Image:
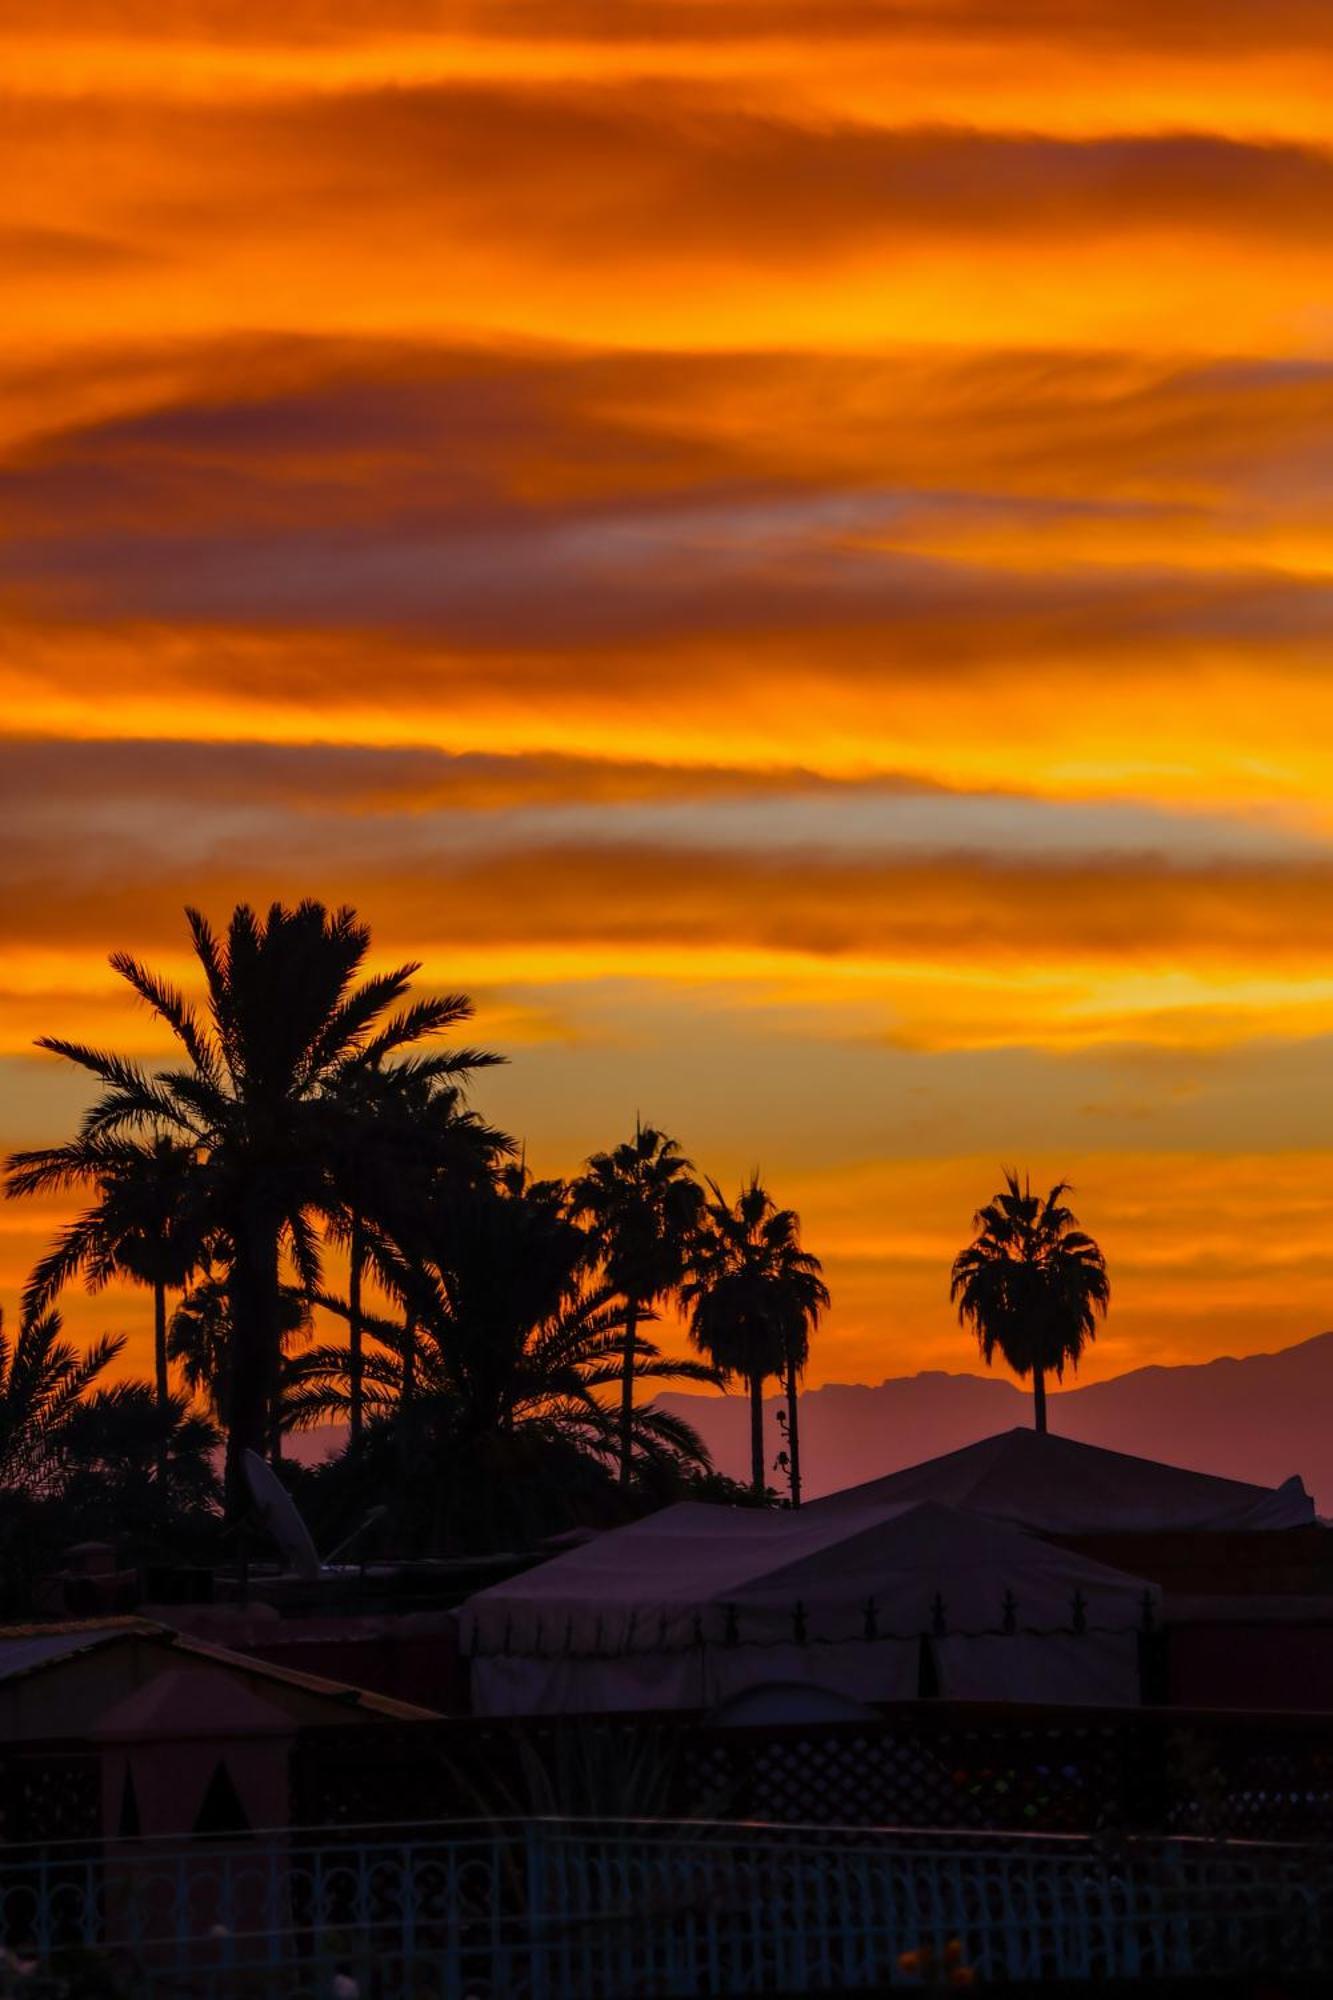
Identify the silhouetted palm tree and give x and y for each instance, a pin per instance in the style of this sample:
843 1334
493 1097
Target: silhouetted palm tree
400 1130
509 1345
43 1379
285 1015
111 1440
642 1202
146 1224
754 1297
1031 1284
807 1296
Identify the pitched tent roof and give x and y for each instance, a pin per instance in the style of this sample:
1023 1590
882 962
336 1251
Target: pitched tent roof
698 1602
1062 1487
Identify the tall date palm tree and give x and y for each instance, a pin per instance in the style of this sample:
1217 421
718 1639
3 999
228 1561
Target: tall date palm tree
642 1202
286 1013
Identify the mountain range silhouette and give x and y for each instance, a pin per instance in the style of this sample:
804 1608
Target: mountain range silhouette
1260 1417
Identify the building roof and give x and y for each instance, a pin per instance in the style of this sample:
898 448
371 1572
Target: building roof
1062 1487
27 1649
33 1649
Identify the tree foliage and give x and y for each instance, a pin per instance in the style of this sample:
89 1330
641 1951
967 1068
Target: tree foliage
642 1202
43 1380
259 1096
1031 1284
505 1346
753 1295
500 1358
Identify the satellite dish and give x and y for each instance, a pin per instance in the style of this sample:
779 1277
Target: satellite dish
278 1511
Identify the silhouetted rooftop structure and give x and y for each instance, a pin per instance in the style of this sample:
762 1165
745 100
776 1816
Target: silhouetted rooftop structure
1057 1486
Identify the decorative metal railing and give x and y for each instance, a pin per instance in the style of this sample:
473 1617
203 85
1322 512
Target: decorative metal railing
994 1768
560 1910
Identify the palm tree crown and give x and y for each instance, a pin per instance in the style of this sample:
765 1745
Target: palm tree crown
754 1296
642 1202
1031 1284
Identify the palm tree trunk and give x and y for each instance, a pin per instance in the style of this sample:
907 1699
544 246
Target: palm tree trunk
757 1467
160 1369
1039 1398
793 1433
409 1360
627 1395
255 1303
355 1333
408 1415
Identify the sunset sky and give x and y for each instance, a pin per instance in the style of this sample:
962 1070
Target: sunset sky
784 545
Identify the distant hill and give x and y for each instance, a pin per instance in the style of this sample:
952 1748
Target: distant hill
1259 1418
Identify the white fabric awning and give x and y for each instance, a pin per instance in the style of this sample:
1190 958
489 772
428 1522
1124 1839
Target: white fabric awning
699 1602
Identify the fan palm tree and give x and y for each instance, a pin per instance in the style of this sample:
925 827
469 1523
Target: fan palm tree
146 1223
510 1344
754 1297
1031 1284
43 1380
642 1203
286 1013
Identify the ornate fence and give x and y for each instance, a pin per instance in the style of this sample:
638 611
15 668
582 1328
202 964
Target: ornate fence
551 1910
981 1767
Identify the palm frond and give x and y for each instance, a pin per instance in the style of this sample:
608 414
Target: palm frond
170 1006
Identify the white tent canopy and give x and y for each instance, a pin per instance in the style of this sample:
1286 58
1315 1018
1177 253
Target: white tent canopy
1058 1486
697 1603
